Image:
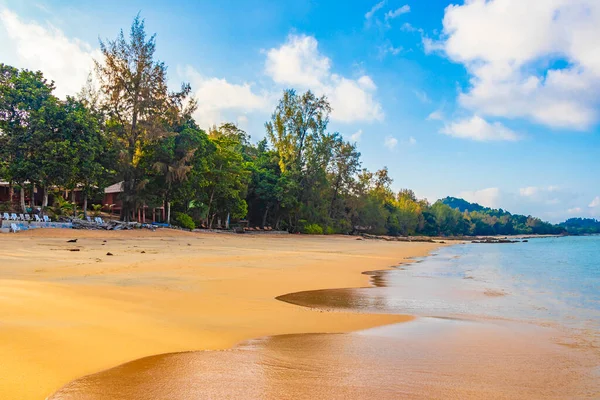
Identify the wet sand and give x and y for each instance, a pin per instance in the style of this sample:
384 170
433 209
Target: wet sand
426 359
66 314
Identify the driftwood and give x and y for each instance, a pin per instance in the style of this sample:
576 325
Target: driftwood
399 238
109 225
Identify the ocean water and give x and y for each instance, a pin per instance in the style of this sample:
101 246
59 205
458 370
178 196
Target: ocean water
551 281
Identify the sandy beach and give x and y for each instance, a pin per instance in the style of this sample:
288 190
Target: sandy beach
65 314
85 325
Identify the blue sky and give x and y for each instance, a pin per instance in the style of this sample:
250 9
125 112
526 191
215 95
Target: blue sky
495 101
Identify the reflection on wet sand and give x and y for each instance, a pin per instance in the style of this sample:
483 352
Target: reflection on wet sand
429 358
462 353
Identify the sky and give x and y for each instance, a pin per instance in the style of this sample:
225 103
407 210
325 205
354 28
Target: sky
494 101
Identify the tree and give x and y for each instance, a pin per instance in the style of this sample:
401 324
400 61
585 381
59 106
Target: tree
227 178
23 97
171 158
137 103
297 123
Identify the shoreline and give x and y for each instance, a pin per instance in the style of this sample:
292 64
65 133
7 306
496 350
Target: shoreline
527 357
336 261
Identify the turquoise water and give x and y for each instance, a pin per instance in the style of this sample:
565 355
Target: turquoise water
554 279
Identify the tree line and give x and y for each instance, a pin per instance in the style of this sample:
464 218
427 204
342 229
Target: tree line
130 127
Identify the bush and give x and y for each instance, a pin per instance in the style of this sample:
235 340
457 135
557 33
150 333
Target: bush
184 221
313 229
330 231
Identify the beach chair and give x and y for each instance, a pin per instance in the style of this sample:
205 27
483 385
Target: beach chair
47 219
37 218
5 216
22 217
88 218
14 217
27 217
14 228
99 220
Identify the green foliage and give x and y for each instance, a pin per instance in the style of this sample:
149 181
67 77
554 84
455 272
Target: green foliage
96 210
184 221
61 207
134 130
313 229
581 226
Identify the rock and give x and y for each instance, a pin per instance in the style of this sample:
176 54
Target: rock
72 241
143 252
109 254
74 249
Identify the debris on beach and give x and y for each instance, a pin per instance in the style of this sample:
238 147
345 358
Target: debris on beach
72 241
494 241
109 254
110 225
399 238
74 249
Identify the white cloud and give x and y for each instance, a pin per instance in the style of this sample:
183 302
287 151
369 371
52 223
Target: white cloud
389 49
66 61
374 9
476 128
575 210
356 136
299 63
509 47
412 141
437 115
529 191
422 96
219 100
390 142
486 197
397 12
595 203
533 191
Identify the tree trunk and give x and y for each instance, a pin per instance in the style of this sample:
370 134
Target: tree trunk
264 220
85 204
208 217
74 204
23 206
45 199
168 213
11 195
32 198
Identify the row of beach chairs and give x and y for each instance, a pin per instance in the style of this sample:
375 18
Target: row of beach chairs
97 220
25 217
36 218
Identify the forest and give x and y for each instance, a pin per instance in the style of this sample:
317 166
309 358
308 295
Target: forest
125 125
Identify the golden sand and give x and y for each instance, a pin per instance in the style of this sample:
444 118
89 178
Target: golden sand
427 359
65 314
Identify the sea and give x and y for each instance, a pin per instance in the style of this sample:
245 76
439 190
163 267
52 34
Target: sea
549 281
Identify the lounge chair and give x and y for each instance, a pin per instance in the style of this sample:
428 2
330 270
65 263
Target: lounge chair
5 216
14 228
37 218
99 220
14 217
47 219
88 218
27 217
22 217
